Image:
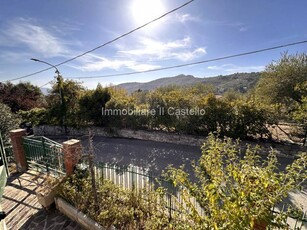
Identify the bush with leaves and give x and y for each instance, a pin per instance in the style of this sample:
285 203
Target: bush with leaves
236 189
37 116
249 119
8 121
124 209
22 96
91 103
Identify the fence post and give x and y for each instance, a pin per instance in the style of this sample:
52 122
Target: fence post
72 150
18 150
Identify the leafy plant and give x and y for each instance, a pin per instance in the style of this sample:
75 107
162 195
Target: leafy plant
8 121
36 116
124 209
235 188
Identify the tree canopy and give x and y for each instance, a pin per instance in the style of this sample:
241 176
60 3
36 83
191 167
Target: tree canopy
281 80
22 96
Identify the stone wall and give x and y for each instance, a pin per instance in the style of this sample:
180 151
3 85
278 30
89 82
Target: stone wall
282 149
158 136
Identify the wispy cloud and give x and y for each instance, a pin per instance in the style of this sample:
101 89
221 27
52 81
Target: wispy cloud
157 50
243 28
12 56
91 63
146 55
185 18
26 35
231 68
240 26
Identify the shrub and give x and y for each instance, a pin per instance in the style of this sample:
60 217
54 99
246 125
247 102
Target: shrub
236 189
124 209
37 116
8 121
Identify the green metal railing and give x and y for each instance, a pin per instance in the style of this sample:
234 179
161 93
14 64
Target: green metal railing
44 154
133 177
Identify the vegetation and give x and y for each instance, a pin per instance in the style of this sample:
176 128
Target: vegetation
279 96
36 116
8 121
91 103
22 96
124 209
284 83
235 188
241 82
63 102
237 117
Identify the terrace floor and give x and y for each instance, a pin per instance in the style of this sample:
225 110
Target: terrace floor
23 210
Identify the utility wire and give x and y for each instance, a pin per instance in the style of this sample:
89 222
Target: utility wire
196 63
107 43
188 64
45 84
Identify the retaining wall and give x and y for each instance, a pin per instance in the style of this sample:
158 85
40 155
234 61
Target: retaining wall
283 149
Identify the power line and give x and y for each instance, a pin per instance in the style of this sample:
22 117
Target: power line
188 64
107 43
196 63
45 84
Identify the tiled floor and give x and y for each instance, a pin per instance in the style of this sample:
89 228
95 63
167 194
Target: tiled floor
24 212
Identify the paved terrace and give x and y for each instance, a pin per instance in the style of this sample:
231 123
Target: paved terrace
22 209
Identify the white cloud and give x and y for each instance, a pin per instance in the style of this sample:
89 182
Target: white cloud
243 29
144 56
92 62
11 56
185 17
157 50
231 68
142 67
23 33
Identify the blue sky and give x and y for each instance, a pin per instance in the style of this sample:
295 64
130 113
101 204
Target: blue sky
57 30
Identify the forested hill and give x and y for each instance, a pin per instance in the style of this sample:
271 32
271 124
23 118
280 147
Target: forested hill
241 82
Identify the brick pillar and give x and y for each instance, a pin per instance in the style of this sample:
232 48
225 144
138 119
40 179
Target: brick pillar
18 150
72 154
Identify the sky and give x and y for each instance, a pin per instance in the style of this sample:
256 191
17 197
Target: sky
57 30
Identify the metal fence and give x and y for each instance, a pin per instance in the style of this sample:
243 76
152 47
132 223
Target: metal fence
44 154
47 155
4 151
9 153
133 177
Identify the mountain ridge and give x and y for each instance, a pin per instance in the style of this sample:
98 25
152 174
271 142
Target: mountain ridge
241 82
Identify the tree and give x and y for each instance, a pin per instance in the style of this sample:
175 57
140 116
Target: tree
284 84
279 81
120 101
23 96
91 104
300 113
202 89
235 188
63 110
249 119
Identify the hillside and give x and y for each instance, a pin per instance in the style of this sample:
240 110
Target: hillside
241 82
